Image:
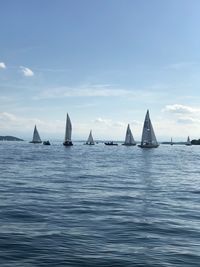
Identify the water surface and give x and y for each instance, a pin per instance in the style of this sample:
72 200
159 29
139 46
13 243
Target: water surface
99 205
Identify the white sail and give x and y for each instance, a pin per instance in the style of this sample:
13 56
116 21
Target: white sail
188 143
36 136
90 140
129 140
148 135
68 129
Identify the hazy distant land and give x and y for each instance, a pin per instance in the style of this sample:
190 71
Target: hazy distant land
10 138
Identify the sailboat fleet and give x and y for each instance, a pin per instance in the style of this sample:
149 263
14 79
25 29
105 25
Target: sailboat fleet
148 139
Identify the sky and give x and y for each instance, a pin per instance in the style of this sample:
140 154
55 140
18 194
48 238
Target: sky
105 62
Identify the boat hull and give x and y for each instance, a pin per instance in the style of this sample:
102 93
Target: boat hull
128 144
110 144
68 143
90 144
35 142
148 146
46 143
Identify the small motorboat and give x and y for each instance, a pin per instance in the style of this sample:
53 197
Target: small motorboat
46 143
111 143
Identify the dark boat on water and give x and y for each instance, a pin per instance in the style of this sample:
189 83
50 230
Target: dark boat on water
110 143
46 143
67 143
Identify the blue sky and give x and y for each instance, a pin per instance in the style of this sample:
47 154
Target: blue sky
103 62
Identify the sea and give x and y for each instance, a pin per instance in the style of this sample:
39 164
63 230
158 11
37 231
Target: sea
99 205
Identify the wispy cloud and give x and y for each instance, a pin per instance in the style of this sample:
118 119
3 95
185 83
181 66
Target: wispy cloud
118 124
181 65
52 70
183 114
26 71
2 65
85 91
188 120
103 121
181 109
10 123
10 119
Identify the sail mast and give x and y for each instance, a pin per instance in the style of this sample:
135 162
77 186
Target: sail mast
68 132
68 129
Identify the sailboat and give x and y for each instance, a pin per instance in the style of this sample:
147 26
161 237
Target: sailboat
90 140
36 137
171 142
68 132
188 143
148 135
129 140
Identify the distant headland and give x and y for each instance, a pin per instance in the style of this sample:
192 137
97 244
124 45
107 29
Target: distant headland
10 138
195 142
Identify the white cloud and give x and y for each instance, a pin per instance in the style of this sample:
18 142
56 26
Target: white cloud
181 65
102 91
103 121
2 65
26 71
188 120
90 91
181 109
10 123
9 119
185 116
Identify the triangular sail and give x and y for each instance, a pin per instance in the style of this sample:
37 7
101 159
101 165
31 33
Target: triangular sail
188 143
68 129
36 136
90 139
148 135
129 140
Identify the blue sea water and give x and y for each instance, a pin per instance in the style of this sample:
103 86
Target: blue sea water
99 205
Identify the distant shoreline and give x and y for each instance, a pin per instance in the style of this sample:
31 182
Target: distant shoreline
10 138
